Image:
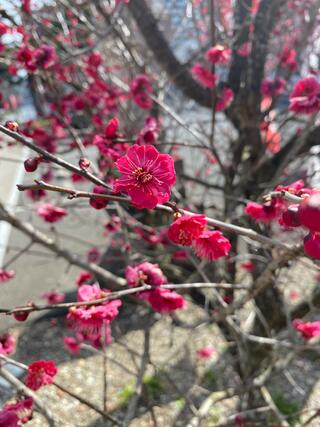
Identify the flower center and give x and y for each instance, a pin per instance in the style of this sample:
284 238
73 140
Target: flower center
142 176
184 237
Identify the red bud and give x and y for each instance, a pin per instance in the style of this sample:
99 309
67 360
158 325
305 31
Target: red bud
31 164
12 126
84 163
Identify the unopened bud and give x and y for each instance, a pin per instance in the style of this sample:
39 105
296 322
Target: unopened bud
84 163
21 316
12 126
31 164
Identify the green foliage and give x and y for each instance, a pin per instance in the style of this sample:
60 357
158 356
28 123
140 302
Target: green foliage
209 379
152 385
126 393
180 403
288 408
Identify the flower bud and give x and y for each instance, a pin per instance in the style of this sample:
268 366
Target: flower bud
21 316
98 202
84 163
31 164
12 126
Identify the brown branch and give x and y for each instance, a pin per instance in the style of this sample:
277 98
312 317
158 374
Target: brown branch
53 158
25 390
164 55
20 387
119 294
114 282
139 381
169 207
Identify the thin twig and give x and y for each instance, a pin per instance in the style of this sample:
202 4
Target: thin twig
115 295
53 158
139 382
21 388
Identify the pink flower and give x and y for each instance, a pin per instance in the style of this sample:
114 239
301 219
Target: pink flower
6 275
40 373
109 150
7 344
273 87
13 414
307 329
147 176
24 55
90 319
150 132
9 418
71 344
271 138
94 255
293 295
3 29
289 217
245 49
151 236
305 97
53 297
224 99
51 213
204 76
211 245
312 245
248 266
205 352
95 59
26 6
264 213
84 277
96 339
141 90
145 273
113 225
186 228
45 56
309 212
179 256
112 128
164 300
89 293
218 54
287 58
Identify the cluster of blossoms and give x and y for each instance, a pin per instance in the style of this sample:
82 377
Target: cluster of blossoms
304 214
216 55
161 300
190 230
141 90
16 414
42 57
40 373
92 322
